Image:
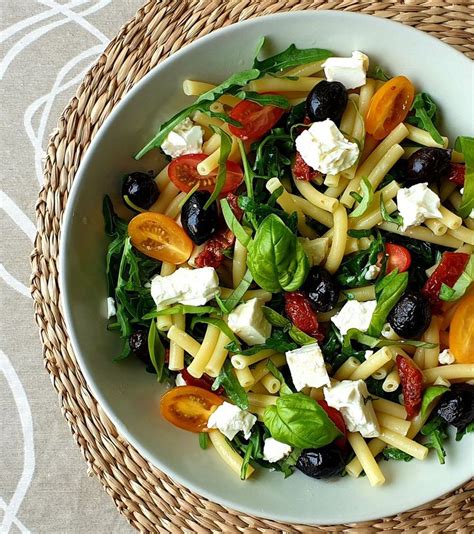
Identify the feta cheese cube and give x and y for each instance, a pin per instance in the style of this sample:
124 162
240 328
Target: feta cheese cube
446 357
325 149
416 204
307 367
230 419
351 398
350 71
111 310
249 323
185 138
193 287
274 451
354 314
179 380
372 272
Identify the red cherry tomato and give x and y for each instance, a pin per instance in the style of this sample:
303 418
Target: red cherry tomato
398 258
456 173
302 315
184 174
338 420
450 268
256 120
411 379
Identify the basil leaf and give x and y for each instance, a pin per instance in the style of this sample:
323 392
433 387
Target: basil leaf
299 421
236 296
278 101
181 308
203 440
278 341
276 258
391 453
366 198
218 323
300 337
388 296
429 395
466 146
275 318
291 57
234 391
224 151
284 389
156 350
379 74
370 341
233 224
462 284
395 219
424 115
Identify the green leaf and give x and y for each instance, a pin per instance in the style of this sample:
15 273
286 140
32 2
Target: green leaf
234 391
291 57
248 173
391 453
236 296
287 465
252 451
379 74
276 258
425 114
279 341
156 350
300 337
467 430
465 145
275 318
373 342
181 309
430 394
223 117
203 440
233 224
284 389
462 284
269 99
395 219
366 198
435 440
218 323
359 234
299 421
224 151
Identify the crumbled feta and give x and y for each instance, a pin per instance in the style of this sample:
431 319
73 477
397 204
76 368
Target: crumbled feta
350 71
185 138
354 314
230 419
249 323
416 204
372 272
368 354
111 309
307 367
389 333
352 399
193 287
446 357
274 451
179 380
325 149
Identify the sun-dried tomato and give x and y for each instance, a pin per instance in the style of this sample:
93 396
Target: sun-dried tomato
302 171
234 205
301 314
213 253
411 379
456 173
205 382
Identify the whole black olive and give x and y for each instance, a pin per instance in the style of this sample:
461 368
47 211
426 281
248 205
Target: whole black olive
411 315
325 462
138 343
327 100
322 289
199 224
140 189
428 165
457 405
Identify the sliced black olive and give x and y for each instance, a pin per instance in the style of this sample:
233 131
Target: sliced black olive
139 190
326 100
411 315
457 406
198 223
428 165
325 462
138 343
322 289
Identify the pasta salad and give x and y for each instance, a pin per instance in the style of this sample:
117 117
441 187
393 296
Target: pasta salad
301 271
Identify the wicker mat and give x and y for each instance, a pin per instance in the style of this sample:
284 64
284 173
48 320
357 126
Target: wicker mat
148 498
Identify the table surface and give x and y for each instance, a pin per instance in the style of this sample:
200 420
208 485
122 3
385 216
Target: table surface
45 48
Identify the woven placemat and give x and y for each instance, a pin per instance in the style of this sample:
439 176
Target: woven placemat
148 498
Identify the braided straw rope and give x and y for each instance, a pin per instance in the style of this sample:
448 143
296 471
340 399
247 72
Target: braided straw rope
148 498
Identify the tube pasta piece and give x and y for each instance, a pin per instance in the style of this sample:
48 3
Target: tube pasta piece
382 373
332 180
354 467
212 144
245 377
317 198
164 322
239 263
162 179
228 454
336 252
464 234
400 426
258 399
216 361
317 393
418 422
366 93
373 217
446 190
422 137
390 408
335 192
403 443
204 120
274 84
194 88
432 336
380 170
174 209
455 371
362 294
424 234
176 361
347 368
184 340
437 226
261 369
258 388
196 367
271 384
366 459
325 317
348 117
166 196
305 70
316 213
257 410
392 381
374 362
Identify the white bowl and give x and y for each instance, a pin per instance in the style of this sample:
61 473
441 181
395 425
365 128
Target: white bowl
128 394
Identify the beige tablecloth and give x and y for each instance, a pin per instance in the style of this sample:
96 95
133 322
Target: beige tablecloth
45 48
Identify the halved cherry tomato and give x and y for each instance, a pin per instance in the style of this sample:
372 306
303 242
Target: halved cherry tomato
184 174
338 420
398 258
389 107
461 331
255 119
189 407
159 237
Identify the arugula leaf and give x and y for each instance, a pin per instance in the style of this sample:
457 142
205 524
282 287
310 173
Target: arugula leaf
224 117
269 99
379 74
461 433
259 211
224 151
436 435
366 198
233 224
359 234
291 57
274 154
430 394
231 85
278 341
424 115
299 421
253 451
287 465
156 350
218 323
234 391
248 173
395 219
181 308
203 440
284 388
465 145
392 453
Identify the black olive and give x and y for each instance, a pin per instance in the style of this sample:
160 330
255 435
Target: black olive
140 189
199 224
428 165
411 315
457 406
327 100
325 462
138 343
322 289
